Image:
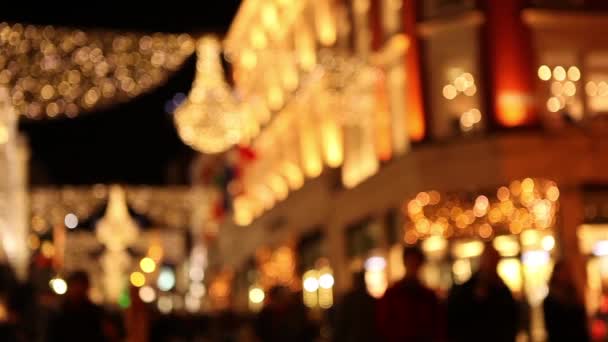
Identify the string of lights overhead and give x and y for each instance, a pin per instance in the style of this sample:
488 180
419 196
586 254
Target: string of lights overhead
58 70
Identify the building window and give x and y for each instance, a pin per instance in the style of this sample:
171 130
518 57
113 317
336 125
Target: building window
437 8
453 81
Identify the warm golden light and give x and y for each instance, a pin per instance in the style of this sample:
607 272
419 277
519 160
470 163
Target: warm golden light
574 74
559 73
332 142
553 104
209 120
450 92
59 70
544 73
147 265
137 279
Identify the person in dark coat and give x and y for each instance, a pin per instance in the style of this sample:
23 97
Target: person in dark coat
79 319
283 318
483 308
565 316
409 311
356 314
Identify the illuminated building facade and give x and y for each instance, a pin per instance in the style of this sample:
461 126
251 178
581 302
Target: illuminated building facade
491 95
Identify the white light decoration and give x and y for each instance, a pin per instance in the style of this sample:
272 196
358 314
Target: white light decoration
209 120
71 221
548 243
193 303
326 281
375 263
311 284
601 248
256 298
13 180
59 286
166 279
147 294
197 290
116 230
165 304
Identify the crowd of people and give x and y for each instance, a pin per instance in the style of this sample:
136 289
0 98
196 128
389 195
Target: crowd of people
481 309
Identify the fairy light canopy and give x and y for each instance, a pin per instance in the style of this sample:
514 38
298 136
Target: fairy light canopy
528 204
58 70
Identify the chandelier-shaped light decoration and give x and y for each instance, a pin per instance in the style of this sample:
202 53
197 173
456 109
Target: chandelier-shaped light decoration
56 70
116 230
209 120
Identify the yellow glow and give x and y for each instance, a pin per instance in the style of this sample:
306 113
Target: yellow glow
278 185
137 279
591 88
33 241
544 73
376 282
548 242
258 38
574 74
553 193
156 252
506 245
333 149
469 249
510 272
256 295
59 286
243 215
275 98
326 27
503 194
450 92
147 265
434 244
462 270
270 17
513 108
530 237
48 249
310 153
292 174
3 134
485 231
559 73
557 88
248 59
310 284
569 88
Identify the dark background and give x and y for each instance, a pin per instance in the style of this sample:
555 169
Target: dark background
131 143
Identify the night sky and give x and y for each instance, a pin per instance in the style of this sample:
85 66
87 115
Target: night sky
131 143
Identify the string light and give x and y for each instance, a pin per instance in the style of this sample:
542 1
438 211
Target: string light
147 294
58 285
53 70
147 265
529 203
71 221
137 279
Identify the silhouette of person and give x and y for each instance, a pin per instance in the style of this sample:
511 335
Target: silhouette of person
565 316
356 314
78 319
282 318
483 308
409 311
